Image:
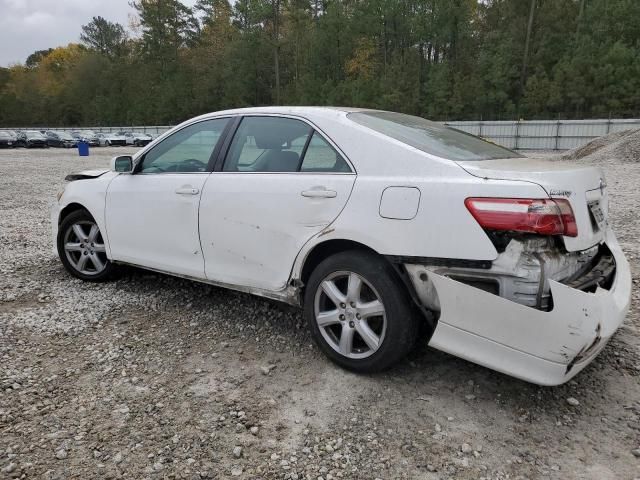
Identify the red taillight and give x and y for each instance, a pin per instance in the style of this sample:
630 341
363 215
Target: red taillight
541 216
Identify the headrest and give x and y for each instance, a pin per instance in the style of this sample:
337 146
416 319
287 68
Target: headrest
268 140
274 134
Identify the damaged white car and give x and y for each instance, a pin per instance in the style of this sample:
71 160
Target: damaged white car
377 224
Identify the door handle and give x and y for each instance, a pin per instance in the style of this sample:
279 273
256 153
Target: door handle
187 191
319 192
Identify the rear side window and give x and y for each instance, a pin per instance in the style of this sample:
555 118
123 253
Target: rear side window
277 144
431 137
267 144
322 157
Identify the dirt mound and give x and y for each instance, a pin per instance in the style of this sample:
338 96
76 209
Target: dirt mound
623 145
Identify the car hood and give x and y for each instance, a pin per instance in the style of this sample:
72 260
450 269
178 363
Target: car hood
581 185
85 174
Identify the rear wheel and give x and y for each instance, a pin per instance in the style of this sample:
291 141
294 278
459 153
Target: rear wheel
81 248
359 313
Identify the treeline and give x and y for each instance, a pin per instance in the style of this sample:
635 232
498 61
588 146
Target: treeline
443 59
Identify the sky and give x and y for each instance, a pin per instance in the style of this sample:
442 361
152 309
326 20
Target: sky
30 25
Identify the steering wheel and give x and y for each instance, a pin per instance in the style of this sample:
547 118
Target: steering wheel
191 165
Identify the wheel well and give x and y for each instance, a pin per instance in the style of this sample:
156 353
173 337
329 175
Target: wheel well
72 207
324 250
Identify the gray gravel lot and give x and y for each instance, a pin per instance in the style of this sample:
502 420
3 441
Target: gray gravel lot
156 377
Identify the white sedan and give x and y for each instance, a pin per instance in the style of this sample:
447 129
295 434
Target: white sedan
379 225
110 139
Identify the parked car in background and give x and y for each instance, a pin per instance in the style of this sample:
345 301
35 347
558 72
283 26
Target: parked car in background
136 138
32 139
112 140
86 136
90 137
60 139
379 225
7 140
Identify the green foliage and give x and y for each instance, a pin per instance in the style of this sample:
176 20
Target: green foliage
445 59
36 57
104 37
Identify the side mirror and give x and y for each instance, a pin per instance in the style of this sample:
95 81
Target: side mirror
122 164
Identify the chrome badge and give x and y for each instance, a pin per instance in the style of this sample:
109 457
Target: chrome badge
560 193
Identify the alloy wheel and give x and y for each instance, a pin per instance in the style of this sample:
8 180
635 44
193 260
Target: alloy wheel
84 248
350 314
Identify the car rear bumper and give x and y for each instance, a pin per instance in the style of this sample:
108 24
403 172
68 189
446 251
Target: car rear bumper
542 347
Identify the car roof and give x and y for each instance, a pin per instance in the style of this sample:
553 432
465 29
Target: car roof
288 110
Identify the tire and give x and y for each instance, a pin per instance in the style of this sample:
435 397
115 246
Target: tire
396 329
83 258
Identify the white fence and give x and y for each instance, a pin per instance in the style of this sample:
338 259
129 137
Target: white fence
544 134
517 135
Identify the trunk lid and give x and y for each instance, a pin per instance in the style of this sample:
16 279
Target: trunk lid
584 186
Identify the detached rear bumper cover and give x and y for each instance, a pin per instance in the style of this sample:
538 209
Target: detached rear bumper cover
546 348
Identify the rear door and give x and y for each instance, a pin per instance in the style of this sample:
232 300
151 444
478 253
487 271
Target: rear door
152 214
282 182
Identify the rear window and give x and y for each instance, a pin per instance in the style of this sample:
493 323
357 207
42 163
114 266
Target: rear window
431 137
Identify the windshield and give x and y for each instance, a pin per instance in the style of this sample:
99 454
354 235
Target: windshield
64 136
34 134
88 133
431 137
4 135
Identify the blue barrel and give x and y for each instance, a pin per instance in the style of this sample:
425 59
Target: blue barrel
83 149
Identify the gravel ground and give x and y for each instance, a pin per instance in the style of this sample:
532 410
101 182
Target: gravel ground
156 377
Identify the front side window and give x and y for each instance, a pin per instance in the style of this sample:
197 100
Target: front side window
186 151
431 137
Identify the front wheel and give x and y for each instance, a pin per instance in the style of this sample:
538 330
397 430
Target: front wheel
359 312
81 248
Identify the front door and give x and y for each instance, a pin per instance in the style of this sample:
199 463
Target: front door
281 184
152 214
